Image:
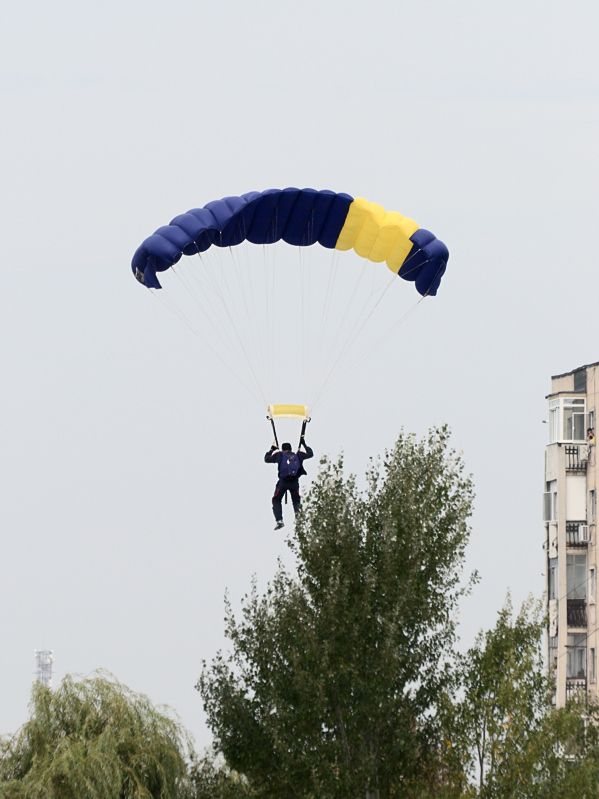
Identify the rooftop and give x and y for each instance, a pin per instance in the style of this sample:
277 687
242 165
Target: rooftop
578 369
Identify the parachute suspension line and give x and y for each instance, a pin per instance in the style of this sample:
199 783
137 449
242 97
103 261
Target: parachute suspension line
333 265
249 301
392 329
207 308
177 312
397 323
366 313
271 259
229 301
234 326
271 254
197 297
266 322
308 333
261 312
229 346
333 340
240 281
302 324
335 351
363 320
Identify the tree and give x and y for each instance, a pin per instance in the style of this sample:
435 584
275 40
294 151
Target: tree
509 739
211 780
332 685
94 738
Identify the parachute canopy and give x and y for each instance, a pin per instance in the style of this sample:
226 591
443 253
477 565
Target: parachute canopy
301 217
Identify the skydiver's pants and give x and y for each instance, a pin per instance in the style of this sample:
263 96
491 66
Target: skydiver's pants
281 488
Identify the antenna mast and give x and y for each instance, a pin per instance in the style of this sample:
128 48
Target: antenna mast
44 658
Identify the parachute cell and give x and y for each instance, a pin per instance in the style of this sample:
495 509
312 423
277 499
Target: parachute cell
301 217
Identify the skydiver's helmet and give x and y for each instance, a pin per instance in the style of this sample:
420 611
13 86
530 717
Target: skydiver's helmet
286 447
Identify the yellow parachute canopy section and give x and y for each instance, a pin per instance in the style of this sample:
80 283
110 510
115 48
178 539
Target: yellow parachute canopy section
286 411
377 234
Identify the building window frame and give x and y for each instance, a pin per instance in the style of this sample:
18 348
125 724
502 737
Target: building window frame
554 419
576 568
552 576
568 420
576 656
573 411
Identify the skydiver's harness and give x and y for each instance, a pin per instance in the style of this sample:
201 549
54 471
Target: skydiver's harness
288 412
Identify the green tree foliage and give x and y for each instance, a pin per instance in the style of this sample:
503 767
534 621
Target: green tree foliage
505 697
210 780
504 732
335 675
94 739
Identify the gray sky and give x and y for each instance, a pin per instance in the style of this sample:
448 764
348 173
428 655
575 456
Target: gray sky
122 517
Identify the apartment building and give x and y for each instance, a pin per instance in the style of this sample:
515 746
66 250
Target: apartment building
570 516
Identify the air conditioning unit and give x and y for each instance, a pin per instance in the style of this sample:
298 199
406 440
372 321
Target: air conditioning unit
584 533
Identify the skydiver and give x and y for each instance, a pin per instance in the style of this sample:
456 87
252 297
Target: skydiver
291 468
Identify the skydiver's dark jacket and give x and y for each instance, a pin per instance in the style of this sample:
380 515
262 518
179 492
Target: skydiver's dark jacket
275 455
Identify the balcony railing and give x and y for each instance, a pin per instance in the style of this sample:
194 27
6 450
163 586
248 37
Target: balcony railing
577 613
576 458
576 688
575 534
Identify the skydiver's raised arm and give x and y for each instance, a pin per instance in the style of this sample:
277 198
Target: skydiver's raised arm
309 452
273 454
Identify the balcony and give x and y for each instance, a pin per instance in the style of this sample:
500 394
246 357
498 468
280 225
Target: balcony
577 613
576 457
577 534
576 688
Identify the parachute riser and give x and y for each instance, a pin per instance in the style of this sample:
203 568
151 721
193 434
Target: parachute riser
303 432
305 421
274 431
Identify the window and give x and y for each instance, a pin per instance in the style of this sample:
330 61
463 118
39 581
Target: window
592 505
576 656
576 576
580 380
552 579
567 419
592 584
553 421
591 419
573 411
593 665
550 501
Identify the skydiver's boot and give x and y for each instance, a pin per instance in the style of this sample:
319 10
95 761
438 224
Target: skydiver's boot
279 524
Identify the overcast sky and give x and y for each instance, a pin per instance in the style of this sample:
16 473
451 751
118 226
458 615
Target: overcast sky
133 491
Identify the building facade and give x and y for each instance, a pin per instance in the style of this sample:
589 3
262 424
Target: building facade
570 516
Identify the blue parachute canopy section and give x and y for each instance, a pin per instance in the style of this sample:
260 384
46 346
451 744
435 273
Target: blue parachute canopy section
300 217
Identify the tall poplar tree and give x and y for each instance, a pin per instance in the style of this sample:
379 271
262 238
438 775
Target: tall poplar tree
334 676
